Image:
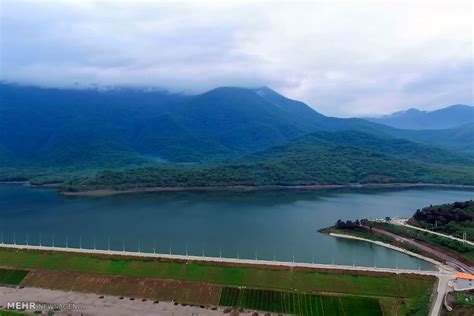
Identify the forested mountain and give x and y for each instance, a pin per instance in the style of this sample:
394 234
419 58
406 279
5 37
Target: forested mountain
460 139
320 158
454 219
94 129
34 120
448 117
38 123
383 144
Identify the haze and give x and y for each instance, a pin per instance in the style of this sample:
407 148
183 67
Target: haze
344 59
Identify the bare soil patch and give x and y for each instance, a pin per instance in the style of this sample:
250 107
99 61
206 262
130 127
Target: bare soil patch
185 292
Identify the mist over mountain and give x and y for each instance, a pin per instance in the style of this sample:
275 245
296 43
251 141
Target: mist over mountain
448 117
93 129
40 122
460 139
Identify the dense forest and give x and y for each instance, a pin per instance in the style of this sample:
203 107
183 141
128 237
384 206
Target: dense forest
453 219
311 164
126 138
351 225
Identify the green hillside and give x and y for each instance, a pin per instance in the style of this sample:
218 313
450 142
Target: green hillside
391 146
453 219
457 140
36 123
220 123
460 139
247 136
307 161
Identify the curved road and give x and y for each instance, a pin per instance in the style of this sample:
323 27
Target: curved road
448 259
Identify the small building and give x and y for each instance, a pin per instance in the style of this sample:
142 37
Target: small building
464 281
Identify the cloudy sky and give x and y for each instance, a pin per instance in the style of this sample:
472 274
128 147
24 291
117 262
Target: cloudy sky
343 58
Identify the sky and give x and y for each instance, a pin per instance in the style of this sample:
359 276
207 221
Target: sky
343 58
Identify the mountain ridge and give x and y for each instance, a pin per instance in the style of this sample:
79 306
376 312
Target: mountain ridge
448 117
43 128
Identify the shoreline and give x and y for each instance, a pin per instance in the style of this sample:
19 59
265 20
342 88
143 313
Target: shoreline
248 188
436 263
29 184
14 182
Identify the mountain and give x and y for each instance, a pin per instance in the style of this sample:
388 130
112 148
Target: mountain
316 159
241 119
74 130
36 123
33 119
387 145
355 157
459 139
445 118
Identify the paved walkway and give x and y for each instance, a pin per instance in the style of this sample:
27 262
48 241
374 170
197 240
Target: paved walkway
441 291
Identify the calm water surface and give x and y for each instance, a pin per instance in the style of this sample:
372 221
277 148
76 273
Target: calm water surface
280 224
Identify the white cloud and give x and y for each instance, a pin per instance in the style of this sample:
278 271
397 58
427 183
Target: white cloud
342 58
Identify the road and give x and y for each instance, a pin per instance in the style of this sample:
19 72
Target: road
403 223
227 260
441 291
448 259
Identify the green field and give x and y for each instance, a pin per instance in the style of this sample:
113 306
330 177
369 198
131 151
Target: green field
299 303
12 277
300 287
282 279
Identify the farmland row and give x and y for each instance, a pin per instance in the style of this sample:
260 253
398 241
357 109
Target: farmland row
12 277
299 303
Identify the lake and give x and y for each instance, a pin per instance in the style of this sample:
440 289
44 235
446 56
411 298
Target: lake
264 224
